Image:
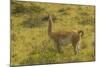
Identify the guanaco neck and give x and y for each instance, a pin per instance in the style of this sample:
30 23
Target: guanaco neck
50 25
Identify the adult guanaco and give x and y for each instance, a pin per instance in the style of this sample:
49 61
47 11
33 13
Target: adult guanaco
64 37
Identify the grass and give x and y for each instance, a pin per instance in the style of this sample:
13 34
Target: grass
30 43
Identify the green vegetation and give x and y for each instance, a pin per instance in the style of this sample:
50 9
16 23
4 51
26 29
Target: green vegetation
30 43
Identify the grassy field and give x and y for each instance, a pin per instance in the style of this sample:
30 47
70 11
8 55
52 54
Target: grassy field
30 43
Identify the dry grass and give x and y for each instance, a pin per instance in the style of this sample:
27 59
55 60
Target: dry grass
30 43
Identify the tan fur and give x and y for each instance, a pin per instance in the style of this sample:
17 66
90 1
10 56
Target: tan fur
64 37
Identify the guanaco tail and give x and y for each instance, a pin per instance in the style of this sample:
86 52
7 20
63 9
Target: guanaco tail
64 37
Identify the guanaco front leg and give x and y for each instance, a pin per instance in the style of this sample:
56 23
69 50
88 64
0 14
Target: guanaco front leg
58 47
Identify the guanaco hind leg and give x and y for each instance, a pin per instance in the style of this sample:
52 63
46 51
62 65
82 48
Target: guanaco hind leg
78 47
74 48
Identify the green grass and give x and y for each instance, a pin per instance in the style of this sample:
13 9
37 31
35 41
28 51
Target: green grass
30 43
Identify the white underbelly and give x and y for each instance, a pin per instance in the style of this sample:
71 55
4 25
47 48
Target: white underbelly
65 41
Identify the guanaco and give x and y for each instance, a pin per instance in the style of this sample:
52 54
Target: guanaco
64 37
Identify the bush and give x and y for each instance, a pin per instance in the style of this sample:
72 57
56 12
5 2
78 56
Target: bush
25 8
